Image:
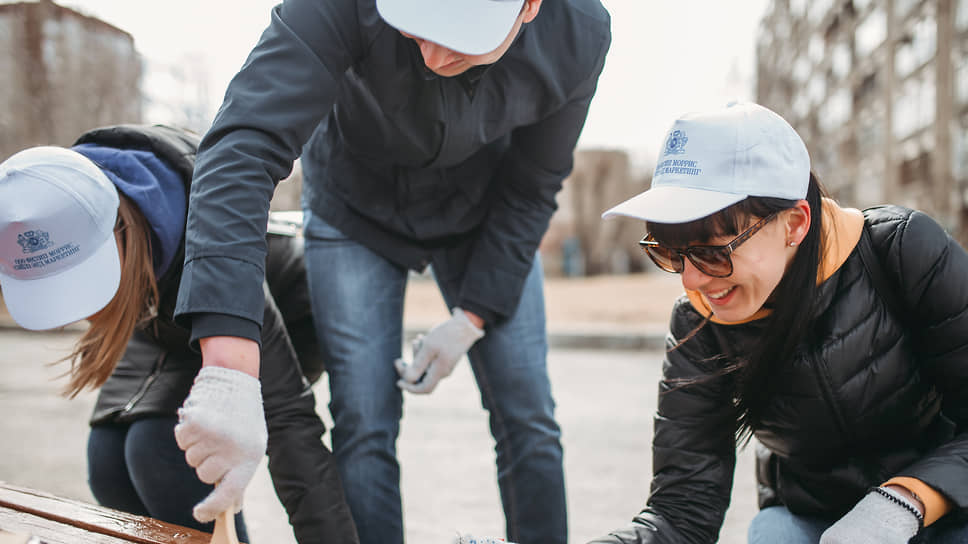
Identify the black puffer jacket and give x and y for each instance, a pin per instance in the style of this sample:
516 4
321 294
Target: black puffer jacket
874 394
158 367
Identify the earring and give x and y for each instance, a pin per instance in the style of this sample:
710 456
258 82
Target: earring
792 244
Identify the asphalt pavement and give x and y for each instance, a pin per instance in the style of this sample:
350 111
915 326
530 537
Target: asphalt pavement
606 399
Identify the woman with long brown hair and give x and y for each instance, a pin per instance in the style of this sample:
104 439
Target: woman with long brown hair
95 233
837 338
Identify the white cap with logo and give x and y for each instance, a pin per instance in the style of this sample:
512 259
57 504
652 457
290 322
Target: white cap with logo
472 27
712 160
59 260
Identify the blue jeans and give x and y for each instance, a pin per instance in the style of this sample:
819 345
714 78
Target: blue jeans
138 468
357 300
777 524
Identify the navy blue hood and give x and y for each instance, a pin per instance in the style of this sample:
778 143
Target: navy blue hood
155 187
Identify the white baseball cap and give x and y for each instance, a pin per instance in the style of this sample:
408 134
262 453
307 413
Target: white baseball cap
59 260
712 160
472 27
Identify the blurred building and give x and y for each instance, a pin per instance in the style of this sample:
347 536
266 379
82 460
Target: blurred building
879 91
63 73
578 242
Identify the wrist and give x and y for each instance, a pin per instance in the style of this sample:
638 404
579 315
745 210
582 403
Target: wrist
231 352
475 319
909 495
898 499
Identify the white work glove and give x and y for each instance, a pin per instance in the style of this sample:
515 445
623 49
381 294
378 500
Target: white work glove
222 430
876 519
437 352
470 539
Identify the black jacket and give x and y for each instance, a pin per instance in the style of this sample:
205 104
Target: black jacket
873 395
158 367
414 166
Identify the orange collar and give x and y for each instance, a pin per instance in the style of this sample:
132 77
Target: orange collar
842 229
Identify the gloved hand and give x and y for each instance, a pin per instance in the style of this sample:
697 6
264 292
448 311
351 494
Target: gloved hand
876 519
436 353
470 539
222 430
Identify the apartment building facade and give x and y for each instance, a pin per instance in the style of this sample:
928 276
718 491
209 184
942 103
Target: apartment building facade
879 91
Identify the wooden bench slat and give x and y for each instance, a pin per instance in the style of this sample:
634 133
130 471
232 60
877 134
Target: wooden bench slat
51 532
95 519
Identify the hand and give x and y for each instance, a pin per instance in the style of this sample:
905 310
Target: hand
470 539
222 430
436 353
876 519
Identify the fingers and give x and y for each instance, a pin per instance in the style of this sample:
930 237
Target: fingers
427 384
198 453
218 501
187 434
213 469
421 362
401 366
227 495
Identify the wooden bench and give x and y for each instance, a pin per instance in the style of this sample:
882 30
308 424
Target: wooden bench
55 520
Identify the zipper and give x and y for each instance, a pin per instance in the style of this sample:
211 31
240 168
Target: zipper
159 363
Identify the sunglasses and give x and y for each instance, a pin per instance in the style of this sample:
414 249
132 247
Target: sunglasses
712 261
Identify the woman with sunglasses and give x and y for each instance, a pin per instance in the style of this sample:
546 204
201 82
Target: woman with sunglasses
837 338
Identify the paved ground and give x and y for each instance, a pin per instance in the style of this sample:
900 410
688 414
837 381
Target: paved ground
606 399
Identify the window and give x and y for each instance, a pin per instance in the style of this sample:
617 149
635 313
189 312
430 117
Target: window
959 152
816 90
914 107
961 82
961 14
918 48
860 5
835 111
815 48
840 60
801 70
817 10
871 32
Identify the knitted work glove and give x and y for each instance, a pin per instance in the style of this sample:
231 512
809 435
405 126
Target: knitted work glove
436 354
883 516
470 539
222 430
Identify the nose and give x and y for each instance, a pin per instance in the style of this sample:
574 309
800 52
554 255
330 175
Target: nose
436 56
692 278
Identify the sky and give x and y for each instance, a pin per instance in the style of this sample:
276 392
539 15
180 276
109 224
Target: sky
666 58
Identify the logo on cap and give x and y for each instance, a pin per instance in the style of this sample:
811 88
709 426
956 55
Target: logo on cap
33 241
676 144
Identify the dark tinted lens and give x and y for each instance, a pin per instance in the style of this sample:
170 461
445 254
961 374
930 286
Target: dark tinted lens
713 261
665 258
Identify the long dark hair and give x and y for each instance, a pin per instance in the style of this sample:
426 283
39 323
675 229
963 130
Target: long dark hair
791 300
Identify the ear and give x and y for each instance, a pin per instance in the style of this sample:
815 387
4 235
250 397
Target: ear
797 222
530 10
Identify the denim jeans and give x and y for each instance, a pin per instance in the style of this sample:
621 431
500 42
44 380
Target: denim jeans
138 468
776 524
358 306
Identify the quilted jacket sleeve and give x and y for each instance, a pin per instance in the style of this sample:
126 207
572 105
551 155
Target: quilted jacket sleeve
693 446
931 270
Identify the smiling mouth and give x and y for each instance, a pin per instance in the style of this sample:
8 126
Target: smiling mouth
719 295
